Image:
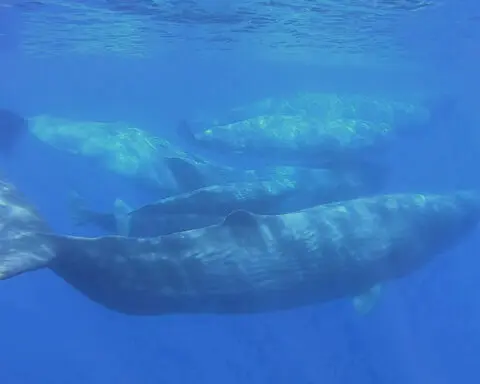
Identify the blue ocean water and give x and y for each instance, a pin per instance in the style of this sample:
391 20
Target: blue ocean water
154 63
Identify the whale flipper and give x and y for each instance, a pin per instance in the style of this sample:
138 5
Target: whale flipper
365 302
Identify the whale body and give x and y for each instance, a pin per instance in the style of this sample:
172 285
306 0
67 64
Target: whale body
291 189
293 139
249 263
314 128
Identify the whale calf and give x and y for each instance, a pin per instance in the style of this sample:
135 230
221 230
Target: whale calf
297 189
291 189
247 263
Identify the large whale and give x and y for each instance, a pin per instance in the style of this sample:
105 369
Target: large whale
319 129
293 139
291 189
248 263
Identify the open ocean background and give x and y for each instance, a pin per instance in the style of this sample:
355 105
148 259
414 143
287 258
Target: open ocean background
153 63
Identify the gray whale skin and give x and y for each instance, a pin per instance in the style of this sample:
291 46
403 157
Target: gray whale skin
248 263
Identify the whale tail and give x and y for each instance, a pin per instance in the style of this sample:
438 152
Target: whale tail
22 246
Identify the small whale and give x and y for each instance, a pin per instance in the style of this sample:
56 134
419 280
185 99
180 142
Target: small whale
247 263
292 189
192 174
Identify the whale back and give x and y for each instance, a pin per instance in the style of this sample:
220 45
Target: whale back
252 263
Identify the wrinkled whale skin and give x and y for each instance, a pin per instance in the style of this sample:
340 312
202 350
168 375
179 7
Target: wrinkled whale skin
251 263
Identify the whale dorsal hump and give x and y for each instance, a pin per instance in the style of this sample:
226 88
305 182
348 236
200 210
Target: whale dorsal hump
240 219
